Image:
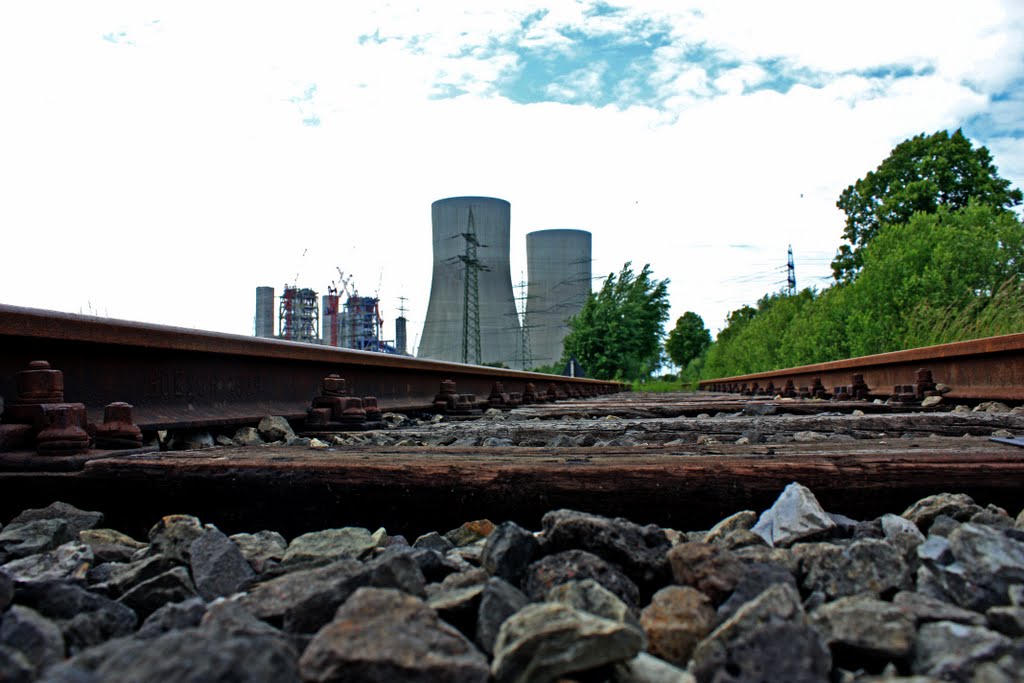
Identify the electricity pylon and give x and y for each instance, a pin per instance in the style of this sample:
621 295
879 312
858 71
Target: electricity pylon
471 295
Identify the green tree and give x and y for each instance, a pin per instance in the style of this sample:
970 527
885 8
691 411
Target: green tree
618 332
943 260
750 341
688 339
919 175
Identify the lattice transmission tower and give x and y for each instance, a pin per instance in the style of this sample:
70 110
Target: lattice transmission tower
524 352
471 295
791 272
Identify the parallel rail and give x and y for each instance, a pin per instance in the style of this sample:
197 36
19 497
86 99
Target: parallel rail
980 369
184 378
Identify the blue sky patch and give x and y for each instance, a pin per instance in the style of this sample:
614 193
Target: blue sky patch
1003 118
614 64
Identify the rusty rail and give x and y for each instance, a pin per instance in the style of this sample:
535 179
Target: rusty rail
183 378
980 369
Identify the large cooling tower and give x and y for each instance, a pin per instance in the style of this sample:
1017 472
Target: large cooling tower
558 271
499 324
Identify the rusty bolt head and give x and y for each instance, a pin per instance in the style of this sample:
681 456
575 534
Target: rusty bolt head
353 410
63 436
446 392
40 384
118 429
333 385
373 412
119 412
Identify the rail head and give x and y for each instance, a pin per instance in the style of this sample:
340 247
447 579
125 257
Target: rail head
41 324
992 367
180 376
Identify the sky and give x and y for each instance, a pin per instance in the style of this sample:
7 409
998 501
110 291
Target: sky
160 160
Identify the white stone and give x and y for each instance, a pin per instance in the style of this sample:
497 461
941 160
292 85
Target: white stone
795 515
901 532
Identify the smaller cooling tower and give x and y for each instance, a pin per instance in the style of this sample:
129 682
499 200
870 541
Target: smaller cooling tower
558 272
265 312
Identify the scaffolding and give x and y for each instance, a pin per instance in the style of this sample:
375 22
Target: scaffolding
299 315
361 324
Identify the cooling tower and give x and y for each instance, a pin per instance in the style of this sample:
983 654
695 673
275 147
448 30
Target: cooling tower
558 267
442 337
265 312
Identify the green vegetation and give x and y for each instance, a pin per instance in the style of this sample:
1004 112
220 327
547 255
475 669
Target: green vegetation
935 255
658 385
688 339
618 332
553 369
919 176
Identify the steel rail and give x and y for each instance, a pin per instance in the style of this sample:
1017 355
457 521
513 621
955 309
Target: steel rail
981 369
178 377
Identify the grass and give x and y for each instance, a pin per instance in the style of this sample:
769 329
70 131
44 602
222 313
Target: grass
986 316
659 386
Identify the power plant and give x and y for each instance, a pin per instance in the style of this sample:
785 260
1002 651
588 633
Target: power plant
471 313
558 266
350 321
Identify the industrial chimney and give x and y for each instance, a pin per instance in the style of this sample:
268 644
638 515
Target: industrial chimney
265 312
400 335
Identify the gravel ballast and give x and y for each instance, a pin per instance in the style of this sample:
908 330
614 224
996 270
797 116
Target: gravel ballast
790 593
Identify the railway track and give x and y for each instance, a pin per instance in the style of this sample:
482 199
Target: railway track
178 378
686 459
980 369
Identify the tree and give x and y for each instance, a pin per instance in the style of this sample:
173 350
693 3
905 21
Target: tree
919 175
947 260
618 332
688 339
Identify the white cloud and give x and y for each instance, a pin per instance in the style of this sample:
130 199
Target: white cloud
735 81
579 84
165 179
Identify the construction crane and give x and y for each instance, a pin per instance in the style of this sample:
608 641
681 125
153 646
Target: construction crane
343 283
